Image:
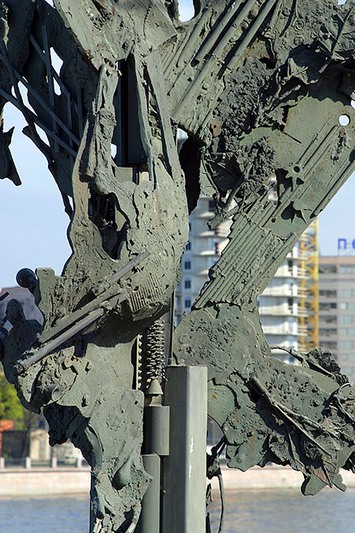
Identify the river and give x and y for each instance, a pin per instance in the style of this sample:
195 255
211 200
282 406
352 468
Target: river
262 511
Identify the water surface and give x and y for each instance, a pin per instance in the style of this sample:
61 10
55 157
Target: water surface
277 511
69 514
262 511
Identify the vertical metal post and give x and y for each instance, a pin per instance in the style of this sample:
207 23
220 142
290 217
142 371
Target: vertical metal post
149 520
155 446
184 470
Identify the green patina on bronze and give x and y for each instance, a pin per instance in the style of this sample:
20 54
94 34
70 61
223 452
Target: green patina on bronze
259 86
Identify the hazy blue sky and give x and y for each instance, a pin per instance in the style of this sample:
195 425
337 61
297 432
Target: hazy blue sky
33 223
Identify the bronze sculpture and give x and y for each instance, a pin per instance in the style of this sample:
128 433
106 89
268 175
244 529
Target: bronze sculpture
259 87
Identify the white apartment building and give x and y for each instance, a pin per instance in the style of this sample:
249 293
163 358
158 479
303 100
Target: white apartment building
278 305
203 250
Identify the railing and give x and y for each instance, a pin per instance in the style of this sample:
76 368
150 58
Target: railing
207 252
283 311
28 463
280 291
277 330
207 233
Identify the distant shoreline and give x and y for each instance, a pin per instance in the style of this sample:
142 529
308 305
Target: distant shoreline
63 481
44 481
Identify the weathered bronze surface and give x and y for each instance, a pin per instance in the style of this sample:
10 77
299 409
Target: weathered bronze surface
259 86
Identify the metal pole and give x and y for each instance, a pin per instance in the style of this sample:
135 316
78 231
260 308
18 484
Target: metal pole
149 520
155 445
184 470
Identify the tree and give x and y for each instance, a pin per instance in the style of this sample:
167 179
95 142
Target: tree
10 406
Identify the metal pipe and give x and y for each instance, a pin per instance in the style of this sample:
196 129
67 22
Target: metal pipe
156 429
39 354
149 520
231 12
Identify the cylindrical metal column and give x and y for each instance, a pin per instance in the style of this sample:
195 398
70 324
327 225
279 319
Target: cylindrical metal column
156 429
149 520
184 470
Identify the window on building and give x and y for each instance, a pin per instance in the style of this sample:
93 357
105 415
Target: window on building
290 265
344 293
187 284
327 269
187 265
345 319
330 319
347 293
188 246
346 345
347 331
346 269
347 305
326 332
328 293
211 205
327 306
187 303
290 304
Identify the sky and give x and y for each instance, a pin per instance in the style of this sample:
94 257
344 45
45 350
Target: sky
33 223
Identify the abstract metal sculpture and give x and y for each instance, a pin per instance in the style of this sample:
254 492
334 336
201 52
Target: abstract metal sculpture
259 86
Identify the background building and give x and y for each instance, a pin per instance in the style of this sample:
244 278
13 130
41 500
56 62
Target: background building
25 298
337 310
202 251
288 307
279 305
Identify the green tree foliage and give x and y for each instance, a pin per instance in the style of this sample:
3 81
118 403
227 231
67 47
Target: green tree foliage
10 406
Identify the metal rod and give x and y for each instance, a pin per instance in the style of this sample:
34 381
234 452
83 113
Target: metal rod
70 103
189 46
239 51
102 296
156 429
80 319
48 64
149 521
52 134
35 120
54 73
265 10
229 15
50 112
211 61
21 106
23 364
